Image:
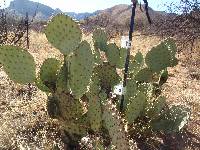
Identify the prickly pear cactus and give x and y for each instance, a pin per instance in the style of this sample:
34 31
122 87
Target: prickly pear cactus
136 63
113 54
100 39
94 113
115 127
156 107
70 108
107 75
94 110
161 56
18 64
172 120
144 75
163 77
131 91
135 107
62 83
122 58
63 33
49 71
81 69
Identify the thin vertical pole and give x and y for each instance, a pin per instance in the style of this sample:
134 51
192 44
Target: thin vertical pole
128 51
27 29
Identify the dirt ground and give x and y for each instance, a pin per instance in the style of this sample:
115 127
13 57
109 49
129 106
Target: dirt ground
24 122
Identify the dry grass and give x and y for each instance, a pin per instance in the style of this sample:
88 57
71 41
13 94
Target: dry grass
24 122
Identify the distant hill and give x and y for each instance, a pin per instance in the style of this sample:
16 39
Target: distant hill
82 16
117 18
43 12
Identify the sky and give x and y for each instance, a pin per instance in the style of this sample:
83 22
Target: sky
93 5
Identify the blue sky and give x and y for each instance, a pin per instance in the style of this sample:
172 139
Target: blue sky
92 5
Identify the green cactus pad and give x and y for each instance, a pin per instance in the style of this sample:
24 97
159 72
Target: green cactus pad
49 71
52 107
171 46
144 75
107 75
94 112
172 120
74 128
62 79
100 39
161 57
81 69
157 106
163 77
135 107
122 59
70 108
136 63
131 91
41 86
63 33
18 64
113 54
115 127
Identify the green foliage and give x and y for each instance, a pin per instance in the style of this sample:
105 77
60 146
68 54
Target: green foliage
63 33
81 69
18 64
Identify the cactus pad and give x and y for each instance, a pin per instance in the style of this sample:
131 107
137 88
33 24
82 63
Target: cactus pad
70 108
163 77
172 120
52 107
62 79
122 59
135 107
157 106
115 127
49 71
107 75
100 39
18 64
136 63
113 54
81 69
144 75
161 57
94 112
131 91
41 86
74 128
63 33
